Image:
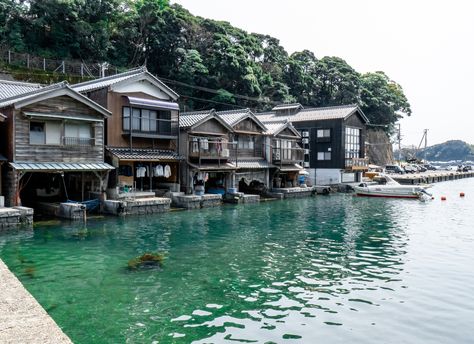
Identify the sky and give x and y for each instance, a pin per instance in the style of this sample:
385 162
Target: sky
425 46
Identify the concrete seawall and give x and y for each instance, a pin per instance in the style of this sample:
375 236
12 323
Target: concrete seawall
22 319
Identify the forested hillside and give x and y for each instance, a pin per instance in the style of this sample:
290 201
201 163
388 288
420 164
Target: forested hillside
210 63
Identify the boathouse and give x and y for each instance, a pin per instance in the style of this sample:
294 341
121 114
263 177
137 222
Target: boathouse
332 138
141 134
251 157
210 156
52 138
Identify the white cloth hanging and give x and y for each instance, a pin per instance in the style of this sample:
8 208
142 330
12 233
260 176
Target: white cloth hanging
205 144
167 172
159 171
141 172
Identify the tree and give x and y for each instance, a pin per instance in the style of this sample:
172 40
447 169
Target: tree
382 100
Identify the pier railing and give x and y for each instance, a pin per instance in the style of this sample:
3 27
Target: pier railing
355 164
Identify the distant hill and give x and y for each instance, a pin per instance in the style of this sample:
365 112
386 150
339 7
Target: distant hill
449 150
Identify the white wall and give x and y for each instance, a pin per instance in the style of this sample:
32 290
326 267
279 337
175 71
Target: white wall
328 176
143 86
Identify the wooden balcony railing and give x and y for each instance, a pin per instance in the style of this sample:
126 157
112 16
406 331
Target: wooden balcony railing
78 141
357 164
209 148
287 155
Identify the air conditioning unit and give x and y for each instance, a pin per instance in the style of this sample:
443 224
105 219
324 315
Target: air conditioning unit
306 151
305 133
306 164
225 153
305 140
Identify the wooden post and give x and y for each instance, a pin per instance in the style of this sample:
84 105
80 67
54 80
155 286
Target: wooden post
82 186
64 67
151 180
44 64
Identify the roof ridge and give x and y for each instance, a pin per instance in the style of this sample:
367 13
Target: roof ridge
328 107
58 85
20 83
137 70
202 112
226 112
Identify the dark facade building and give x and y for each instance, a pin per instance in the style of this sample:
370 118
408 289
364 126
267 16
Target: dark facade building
333 140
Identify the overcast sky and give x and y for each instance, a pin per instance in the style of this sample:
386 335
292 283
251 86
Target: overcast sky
426 46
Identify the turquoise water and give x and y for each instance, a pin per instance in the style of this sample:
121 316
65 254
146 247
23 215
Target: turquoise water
337 269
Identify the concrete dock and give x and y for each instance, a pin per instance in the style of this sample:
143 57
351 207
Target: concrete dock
22 319
431 177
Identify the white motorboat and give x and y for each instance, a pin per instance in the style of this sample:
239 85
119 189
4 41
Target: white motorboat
388 187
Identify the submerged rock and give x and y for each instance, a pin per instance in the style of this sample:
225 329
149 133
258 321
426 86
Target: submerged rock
146 260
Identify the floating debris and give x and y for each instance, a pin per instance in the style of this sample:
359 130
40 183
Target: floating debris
146 260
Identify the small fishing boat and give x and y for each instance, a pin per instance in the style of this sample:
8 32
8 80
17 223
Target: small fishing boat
387 187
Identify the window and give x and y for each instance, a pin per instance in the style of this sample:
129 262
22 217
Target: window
324 155
76 133
48 133
352 146
245 141
323 133
147 121
37 133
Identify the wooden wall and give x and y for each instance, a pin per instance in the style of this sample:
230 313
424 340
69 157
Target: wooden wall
24 151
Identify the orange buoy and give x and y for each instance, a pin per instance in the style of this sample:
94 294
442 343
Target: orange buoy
443 198
462 194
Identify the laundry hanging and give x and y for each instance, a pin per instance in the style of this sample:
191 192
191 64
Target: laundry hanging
159 171
167 171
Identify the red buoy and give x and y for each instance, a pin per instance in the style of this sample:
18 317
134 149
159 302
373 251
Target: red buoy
462 194
443 198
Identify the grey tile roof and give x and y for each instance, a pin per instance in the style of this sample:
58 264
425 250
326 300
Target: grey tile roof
232 117
13 88
31 93
315 114
188 119
61 166
138 154
115 79
287 106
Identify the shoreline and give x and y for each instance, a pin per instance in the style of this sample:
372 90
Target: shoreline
22 318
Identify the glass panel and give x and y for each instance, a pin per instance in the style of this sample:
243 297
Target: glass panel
126 118
37 133
84 131
136 119
320 133
145 120
153 122
53 133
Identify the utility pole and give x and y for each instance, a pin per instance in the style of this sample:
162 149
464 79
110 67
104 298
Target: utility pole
399 144
426 142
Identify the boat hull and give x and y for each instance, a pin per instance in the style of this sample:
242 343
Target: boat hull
386 196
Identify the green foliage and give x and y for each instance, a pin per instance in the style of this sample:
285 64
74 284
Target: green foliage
195 51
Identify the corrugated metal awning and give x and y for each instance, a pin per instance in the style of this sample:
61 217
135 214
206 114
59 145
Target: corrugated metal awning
290 168
137 154
60 166
153 104
214 167
252 164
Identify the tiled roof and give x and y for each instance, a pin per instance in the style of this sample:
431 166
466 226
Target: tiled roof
13 88
60 88
287 106
31 93
188 119
115 79
315 114
214 167
252 164
232 117
138 154
61 166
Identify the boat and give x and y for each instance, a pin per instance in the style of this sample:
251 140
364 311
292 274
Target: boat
388 187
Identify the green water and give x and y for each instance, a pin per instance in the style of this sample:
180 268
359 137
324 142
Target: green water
337 269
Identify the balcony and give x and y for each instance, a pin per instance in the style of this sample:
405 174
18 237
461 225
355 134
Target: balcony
78 141
210 148
357 164
287 155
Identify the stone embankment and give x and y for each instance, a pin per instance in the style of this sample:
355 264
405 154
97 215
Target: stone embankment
22 319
